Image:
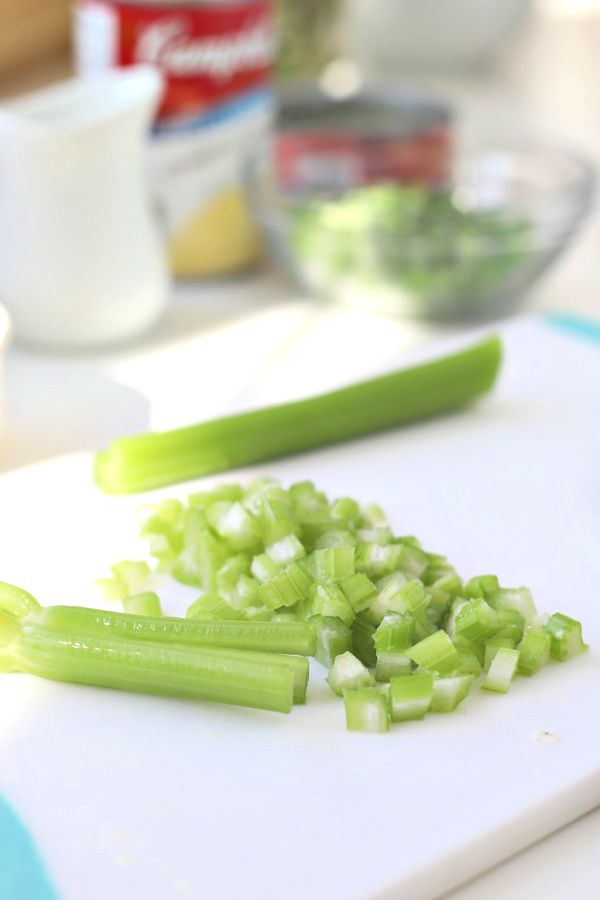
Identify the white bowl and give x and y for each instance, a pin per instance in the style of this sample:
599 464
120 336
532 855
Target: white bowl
5 332
390 35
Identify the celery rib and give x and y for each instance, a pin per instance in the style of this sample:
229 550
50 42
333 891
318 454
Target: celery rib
144 667
145 461
297 638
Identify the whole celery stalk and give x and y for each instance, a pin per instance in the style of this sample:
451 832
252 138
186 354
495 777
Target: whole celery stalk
145 461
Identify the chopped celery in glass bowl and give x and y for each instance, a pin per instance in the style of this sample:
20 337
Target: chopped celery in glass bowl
468 249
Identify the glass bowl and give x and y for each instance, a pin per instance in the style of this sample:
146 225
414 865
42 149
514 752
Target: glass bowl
465 248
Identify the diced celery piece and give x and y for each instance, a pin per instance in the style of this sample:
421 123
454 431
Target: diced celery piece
348 673
450 584
410 696
235 525
112 589
376 561
398 595
468 649
519 599
481 586
257 614
328 600
277 517
163 528
502 671
366 710
449 691
333 638
437 567
335 539
411 559
309 503
264 568
345 508
285 614
392 663
514 624
363 645
245 593
478 621
315 531
435 653
455 607
492 646
534 651
133 572
395 632
202 555
212 606
228 575
359 591
204 499
286 588
381 535
383 688
286 550
425 625
374 514
334 564
566 639
145 604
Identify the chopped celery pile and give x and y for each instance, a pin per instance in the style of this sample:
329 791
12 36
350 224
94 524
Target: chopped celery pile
284 574
413 240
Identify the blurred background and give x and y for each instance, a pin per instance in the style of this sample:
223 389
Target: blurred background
359 168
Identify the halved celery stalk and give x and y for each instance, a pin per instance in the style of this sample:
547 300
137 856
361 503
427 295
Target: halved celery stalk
492 646
142 666
16 601
328 600
477 621
359 591
502 671
348 673
392 663
142 462
449 691
566 639
276 637
146 603
410 696
436 653
366 710
534 651
333 638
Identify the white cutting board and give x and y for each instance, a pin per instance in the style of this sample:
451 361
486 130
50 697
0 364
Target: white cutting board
141 797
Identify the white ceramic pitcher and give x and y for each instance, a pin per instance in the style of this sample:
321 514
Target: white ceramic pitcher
81 260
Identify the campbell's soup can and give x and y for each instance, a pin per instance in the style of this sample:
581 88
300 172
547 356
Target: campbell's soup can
216 59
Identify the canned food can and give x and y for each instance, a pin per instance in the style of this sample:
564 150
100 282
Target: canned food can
216 59
379 133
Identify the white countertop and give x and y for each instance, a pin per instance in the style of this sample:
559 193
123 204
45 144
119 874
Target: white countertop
219 343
